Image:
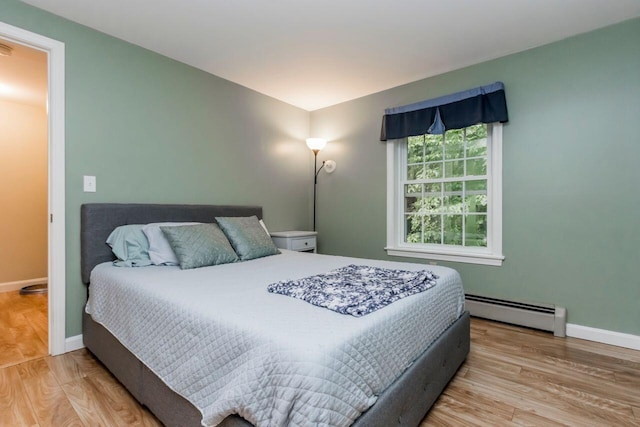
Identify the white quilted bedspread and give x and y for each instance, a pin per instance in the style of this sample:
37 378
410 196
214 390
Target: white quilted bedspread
218 338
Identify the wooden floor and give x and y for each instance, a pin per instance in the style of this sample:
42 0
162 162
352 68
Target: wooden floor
69 390
517 376
513 376
23 327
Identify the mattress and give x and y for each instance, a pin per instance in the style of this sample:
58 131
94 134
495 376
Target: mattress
218 338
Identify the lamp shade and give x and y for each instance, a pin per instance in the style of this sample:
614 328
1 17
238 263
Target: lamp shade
316 143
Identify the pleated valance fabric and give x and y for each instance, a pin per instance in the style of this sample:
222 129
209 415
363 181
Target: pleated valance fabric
484 104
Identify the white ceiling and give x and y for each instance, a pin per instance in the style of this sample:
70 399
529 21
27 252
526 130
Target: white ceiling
316 53
23 76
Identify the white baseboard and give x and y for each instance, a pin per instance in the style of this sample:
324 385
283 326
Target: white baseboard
73 343
604 336
15 286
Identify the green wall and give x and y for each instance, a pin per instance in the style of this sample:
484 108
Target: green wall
571 170
154 130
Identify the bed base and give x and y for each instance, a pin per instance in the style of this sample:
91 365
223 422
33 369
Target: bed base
404 403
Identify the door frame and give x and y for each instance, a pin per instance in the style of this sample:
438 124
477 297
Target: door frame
56 183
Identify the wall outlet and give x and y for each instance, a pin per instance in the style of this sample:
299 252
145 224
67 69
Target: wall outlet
89 183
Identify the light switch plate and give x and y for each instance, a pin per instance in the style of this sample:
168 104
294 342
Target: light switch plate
89 183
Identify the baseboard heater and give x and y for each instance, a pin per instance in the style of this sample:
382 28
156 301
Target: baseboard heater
538 316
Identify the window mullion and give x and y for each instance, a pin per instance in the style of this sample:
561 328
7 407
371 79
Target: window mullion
403 149
464 199
490 182
442 180
420 212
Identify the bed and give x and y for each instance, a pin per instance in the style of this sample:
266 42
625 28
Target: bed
403 401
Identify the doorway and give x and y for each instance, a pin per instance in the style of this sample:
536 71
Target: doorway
24 200
55 112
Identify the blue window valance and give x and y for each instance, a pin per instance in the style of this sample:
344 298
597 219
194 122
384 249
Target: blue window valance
484 104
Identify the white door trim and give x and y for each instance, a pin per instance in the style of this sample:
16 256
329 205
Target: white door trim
56 110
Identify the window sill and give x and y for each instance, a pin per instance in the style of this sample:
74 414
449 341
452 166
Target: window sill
452 256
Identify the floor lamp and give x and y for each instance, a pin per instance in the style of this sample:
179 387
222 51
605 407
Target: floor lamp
315 145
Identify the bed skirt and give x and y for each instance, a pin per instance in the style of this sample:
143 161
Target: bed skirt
404 403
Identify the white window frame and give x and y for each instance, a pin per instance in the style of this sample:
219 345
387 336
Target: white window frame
492 254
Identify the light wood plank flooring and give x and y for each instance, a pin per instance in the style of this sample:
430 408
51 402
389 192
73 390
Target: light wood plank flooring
517 376
23 327
513 376
69 390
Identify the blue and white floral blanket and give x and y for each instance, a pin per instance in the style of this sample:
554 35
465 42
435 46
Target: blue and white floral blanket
356 289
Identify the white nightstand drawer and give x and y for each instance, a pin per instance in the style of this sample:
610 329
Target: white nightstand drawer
303 244
301 241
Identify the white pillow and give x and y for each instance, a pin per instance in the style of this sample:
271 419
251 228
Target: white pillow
265 227
160 251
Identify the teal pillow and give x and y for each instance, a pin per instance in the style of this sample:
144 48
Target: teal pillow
130 245
247 237
199 245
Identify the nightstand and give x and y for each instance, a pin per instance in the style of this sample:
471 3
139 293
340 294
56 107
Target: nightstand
301 241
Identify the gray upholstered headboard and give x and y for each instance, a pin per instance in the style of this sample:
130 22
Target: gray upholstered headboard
98 220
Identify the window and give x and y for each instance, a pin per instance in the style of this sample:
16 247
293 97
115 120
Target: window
445 195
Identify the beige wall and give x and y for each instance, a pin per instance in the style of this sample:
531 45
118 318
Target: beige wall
23 192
